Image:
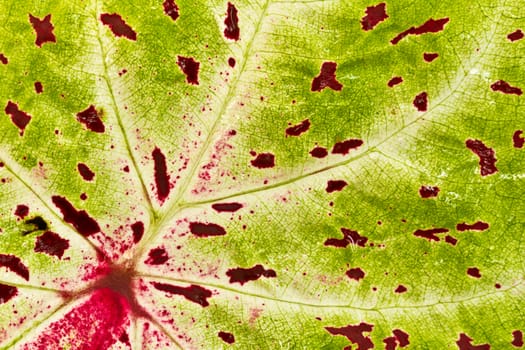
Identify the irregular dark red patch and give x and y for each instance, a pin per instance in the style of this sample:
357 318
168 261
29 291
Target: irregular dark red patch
193 293
319 152
52 244
518 140
206 230
14 264
162 179
226 337
81 221
138 231
474 272
298 129
349 237
355 273
263 161
516 35
124 338
506 88
517 340
43 29
157 256
394 81
465 343
335 185
232 30
430 234
118 26
477 226
421 102
21 211
3 59
426 191
326 78
226 207
243 275
7 293
85 172
400 289
451 240
487 156
38 87
374 15
231 62
171 9
344 147
355 334
90 118
390 343
430 56
401 337
18 117
190 68
430 26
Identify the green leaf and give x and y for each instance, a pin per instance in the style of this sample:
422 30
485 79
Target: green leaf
261 174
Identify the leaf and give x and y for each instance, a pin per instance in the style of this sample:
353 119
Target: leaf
262 175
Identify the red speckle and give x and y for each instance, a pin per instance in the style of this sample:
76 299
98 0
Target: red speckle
319 152
430 26
193 293
477 226
421 102
18 117
14 264
83 196
298 129
344 147
21 211
451 240
85 172
231 62
429 57
206 230
3 59
465 343
517 340
232 23
162 179
497 286
374 15
171 9
263 161
355 334
243 275
355 273
430 234
326 78
227 337
349 237
515 35
428 191
335 185
400 289
226 207
517 139
190 68
506 88
394 81
474 272
52 244
90 118
138 231
81 221
38 87
157 256
118 26
487 156
43 29
7 293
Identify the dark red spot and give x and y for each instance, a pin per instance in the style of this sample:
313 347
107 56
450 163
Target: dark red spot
374 15
517 340
390 343
118 26
232 23
326 78
52 244
157 256
497 286
190 68
335 185
430 56
349 237
83 196
85 172
430 26
298 129
227 207
124 338
428 191
206 230
430 234
231 62
421 102
477 226
171 9
162 179
227 337
344 147
400 338
355 273
474 272
394 81
243 275
319 152
90 118
3 59
38 87
487 157
355 334
14 264
21 211
18 117
451 240
81 221
138 231
506 88
7 293
193 293
400 289
465 343
43 29
517 139
263 161
515 35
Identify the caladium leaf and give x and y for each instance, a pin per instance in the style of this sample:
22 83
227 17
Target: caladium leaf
262 175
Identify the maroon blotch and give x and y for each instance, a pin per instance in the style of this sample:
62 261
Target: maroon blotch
430 26
83 196
355 273
298 129
430 56
335 185
171 9
21 211
226 207
426 191
349 237
81 221
43 29
118 26
3 59
162 179
18 117
319 152
477 226
326 78
138 231
517 340
504 87
473 272
394 81
85 172
401 337
38 87
90 118
206 230
465 343
226 337
430 234
374 15
451 240
190 68
344 147
517 140
14 264
487 156
232 30
7 293
516 35
52 244
242 275
263 161
355 334
421 102
157 256
390 343
231 62
193 293
400 289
